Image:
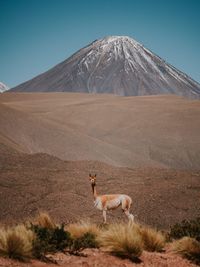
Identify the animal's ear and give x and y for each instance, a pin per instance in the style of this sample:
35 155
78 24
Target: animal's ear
95 175
90 175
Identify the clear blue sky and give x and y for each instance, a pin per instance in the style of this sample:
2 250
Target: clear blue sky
37 34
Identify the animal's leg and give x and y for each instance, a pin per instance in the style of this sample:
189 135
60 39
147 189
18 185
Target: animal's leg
124 205
126 208
129 215
104 216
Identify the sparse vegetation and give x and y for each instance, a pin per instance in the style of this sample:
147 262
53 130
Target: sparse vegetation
52 238
49 240
43 236
153 240
189 228
187 247
122 240
57 239
44 220
88 240
16 242
128 240
81 228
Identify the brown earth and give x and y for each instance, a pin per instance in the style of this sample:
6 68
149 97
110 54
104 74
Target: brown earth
97 258
98 127
155 139
29 183
156 131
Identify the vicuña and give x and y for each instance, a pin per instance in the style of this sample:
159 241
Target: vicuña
110 202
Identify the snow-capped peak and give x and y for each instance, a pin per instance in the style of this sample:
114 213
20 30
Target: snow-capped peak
119 39
3 87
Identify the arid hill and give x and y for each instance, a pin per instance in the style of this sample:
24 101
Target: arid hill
147 147
148 131
29 183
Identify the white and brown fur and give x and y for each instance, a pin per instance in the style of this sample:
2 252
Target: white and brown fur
109 202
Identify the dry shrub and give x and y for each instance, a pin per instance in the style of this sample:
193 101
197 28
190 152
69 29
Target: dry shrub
79 229
16 242
49 240
44 220
122 240
187 247
3 241
190 228
153 240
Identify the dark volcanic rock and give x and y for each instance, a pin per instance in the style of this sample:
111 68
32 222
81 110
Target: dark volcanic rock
115 64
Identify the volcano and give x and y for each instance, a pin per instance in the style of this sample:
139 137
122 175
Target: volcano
115 64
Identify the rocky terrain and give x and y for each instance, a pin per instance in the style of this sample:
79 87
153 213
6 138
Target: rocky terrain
29 183
100 259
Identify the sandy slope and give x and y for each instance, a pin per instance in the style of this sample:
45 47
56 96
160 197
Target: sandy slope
156 131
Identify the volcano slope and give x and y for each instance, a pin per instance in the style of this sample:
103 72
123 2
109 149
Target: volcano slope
152 144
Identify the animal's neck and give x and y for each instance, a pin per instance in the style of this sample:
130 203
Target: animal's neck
94 191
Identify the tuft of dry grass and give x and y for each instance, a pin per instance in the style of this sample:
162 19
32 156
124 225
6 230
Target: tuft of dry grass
16 242
122 240
44 220
153 240
79 229
187 247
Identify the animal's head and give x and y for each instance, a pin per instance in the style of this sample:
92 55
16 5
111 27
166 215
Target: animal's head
92 178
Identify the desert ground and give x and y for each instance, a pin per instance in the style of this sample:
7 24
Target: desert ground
98 258
147 147
156 131
29 183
